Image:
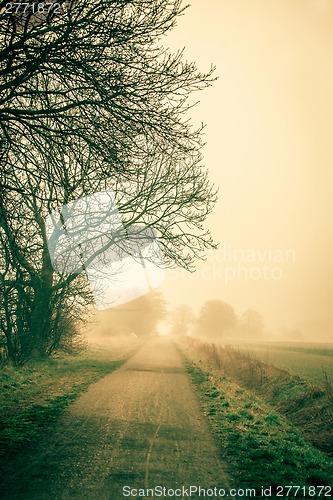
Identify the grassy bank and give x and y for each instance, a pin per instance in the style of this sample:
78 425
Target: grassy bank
308 406
263 448
33 396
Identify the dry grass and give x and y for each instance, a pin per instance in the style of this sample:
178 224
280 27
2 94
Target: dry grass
308 406
261 447
32 396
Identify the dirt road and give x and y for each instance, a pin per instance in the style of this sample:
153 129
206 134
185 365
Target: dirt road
140 426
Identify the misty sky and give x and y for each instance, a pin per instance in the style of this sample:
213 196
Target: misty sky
269 149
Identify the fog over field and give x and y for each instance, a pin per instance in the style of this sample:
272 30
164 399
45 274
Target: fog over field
269 120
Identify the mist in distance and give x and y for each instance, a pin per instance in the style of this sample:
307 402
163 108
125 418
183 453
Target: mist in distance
268 147
268 120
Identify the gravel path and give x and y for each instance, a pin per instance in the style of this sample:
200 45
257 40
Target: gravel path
140 426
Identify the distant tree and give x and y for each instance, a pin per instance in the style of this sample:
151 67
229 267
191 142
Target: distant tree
251 323
140 316
182 319
148 310
216 318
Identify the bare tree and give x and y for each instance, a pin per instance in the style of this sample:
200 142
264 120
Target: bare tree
251 324
182 320
90 101
216 318
95 71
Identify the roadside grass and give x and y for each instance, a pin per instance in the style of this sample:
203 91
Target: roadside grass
33 396
263 448
308 406
260 445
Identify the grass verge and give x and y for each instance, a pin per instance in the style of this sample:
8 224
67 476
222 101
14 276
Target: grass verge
33 396
308 406
260 445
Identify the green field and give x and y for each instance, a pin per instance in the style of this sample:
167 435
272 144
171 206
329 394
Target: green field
312 362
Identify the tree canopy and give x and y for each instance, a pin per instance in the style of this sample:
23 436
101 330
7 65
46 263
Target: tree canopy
90 101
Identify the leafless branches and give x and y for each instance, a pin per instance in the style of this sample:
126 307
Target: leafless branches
89 101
